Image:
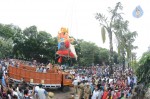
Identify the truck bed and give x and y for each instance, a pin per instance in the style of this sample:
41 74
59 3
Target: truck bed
34 77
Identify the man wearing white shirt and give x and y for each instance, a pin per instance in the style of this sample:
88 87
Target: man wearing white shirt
95 93
100 93
15 93
41 93
86 78
129 80
75 83
79 78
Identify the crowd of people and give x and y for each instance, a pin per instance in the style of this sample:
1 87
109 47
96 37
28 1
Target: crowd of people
96 83
10 89
93 82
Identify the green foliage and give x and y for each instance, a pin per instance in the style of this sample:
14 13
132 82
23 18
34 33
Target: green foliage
6 48
29 44
89 53
143 70
125 39
35 45
104 55
30 32
6 31
134 65
6 40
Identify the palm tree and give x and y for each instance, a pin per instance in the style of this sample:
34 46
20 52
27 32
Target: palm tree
130 38
108 26
125 40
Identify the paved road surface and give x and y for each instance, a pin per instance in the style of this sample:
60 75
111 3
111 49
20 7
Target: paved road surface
66 94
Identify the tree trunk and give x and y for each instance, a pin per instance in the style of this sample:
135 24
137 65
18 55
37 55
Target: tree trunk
128 65
123 62
111 53
129 62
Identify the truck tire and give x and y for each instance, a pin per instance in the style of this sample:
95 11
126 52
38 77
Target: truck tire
62 88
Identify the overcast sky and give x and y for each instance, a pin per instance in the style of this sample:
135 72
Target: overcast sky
77 15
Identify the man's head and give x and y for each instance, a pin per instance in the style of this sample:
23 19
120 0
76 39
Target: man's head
96 87
87 84
40 85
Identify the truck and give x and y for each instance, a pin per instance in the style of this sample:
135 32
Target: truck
53 78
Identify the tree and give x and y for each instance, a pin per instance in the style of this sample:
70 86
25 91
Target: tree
116 61
125 40
30 32
87 51
104 56
121 27
6 48
31 44
130 38
143 70
77 44
108 26
133 61
18 42
6 31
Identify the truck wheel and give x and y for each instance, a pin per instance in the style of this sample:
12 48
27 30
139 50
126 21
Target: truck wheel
62 88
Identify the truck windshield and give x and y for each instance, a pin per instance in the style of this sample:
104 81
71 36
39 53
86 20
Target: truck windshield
68 76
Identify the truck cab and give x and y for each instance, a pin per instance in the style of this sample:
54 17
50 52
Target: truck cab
67 79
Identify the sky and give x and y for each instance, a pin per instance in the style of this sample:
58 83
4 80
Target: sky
78 16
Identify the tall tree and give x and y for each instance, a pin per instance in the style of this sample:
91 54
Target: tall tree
125 40
108 26
121 28
130 38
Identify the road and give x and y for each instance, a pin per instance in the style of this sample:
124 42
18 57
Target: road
66 94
